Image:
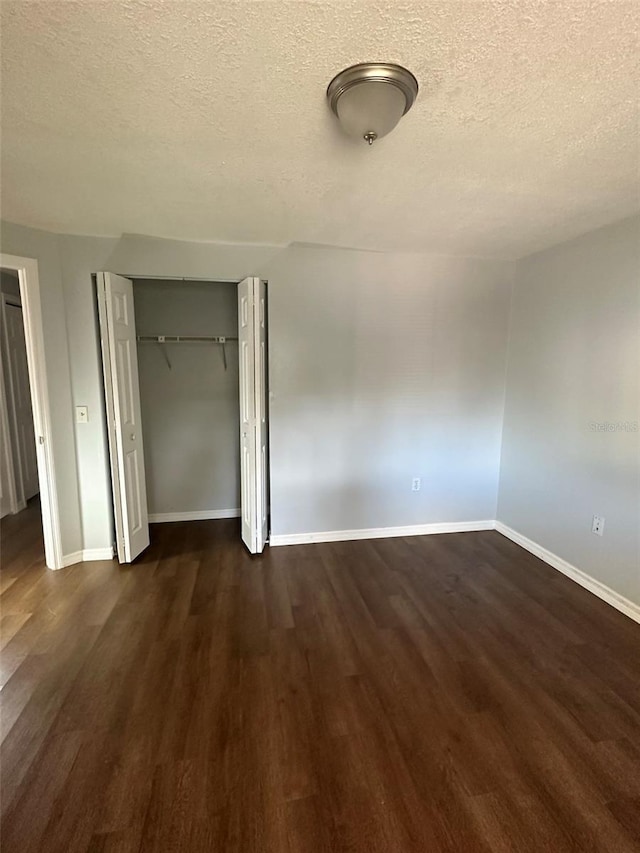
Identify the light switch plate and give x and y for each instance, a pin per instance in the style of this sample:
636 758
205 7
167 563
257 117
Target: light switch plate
82 414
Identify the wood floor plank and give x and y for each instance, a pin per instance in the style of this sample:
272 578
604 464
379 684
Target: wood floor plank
441 693
24 825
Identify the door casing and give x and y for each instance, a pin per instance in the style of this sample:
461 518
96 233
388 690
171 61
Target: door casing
27 269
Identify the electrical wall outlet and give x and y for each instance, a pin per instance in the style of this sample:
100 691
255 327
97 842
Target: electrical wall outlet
415 484
597 525
82 415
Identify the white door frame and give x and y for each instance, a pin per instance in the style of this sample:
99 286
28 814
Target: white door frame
27 269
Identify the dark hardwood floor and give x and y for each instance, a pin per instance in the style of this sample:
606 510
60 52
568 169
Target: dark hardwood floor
441 693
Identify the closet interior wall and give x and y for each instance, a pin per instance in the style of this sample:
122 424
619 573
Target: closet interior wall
189 399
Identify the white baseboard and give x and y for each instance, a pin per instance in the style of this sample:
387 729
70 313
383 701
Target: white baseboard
624 605
379 532
195 515
87 556
71 559
90 554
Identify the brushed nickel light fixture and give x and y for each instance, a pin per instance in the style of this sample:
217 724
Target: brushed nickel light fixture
369 99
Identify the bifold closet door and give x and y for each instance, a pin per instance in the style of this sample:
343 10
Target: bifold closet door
252 334
124 426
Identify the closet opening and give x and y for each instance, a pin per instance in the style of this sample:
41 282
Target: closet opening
185 377
187 346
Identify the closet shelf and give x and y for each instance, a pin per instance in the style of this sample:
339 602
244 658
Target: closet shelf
187 339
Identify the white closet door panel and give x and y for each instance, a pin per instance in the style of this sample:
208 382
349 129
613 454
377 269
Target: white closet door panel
260 325
122 397
253 419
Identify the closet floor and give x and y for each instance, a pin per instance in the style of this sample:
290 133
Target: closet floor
439 693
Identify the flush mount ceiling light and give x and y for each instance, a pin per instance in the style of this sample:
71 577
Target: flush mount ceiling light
369 99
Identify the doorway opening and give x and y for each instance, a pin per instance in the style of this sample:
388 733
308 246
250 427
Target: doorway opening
27 473
185 378
20 438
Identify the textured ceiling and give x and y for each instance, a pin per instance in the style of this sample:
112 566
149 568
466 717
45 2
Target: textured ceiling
207 121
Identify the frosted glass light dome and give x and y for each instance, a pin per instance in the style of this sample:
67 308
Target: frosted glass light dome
370 99
372 107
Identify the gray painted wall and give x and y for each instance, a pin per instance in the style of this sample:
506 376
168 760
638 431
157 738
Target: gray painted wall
80 257
574 359
384 368
190 413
